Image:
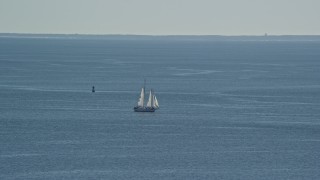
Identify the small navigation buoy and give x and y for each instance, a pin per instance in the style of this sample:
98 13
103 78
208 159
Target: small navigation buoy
93 90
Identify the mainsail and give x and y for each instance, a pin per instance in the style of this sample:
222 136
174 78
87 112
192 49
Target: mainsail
155 102
141 100
149 104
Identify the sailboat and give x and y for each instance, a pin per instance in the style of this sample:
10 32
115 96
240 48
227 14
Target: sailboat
152 103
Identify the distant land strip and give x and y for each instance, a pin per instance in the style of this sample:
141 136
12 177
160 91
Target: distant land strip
167 37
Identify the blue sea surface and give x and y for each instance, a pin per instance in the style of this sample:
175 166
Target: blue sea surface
228 109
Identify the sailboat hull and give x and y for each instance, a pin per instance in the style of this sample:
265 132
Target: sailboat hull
143 109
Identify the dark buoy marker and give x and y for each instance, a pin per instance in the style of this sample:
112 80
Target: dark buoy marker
93 90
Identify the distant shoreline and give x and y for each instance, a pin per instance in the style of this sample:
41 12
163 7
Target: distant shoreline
166 37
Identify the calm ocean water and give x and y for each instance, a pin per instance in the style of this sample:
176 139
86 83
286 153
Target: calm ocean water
228 109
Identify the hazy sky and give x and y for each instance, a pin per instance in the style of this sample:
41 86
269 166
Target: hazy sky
156 17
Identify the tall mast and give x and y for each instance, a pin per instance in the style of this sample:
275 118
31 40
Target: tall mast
144 88
152 94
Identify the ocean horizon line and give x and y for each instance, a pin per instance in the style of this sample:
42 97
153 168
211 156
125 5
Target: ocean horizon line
263 37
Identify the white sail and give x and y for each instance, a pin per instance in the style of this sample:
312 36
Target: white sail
149 104
155 102
141 100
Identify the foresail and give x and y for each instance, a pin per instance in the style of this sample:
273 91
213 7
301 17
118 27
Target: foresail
141 100
149 104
